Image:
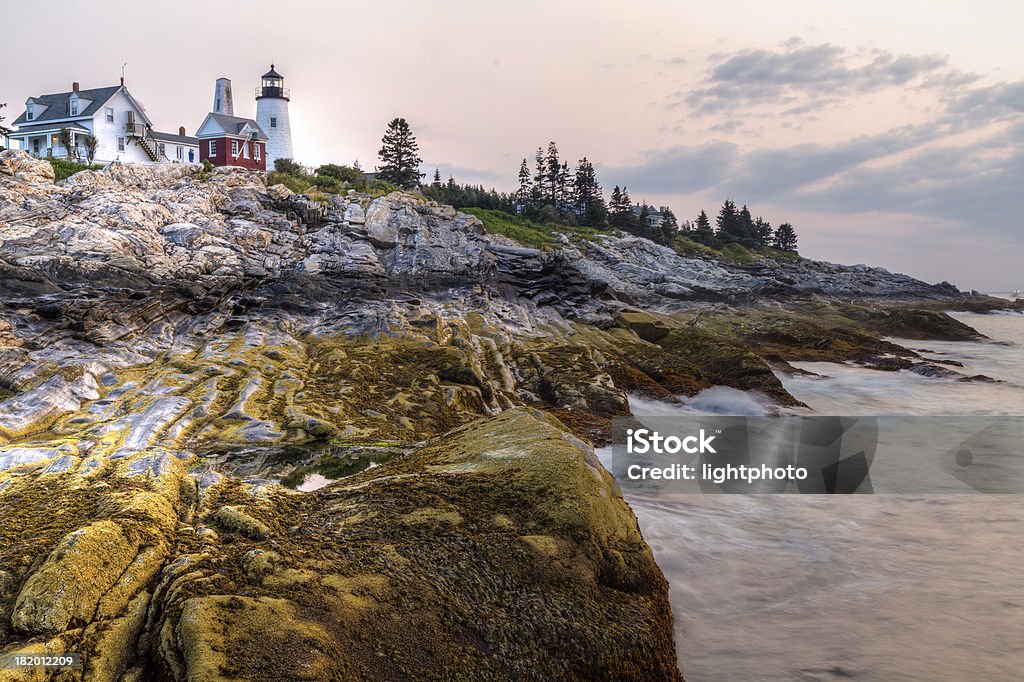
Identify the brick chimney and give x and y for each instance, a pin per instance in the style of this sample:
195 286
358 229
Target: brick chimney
181 130
74 86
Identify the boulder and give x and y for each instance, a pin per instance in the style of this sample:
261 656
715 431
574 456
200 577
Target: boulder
23 167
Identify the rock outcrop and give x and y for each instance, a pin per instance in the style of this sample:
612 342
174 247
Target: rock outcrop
172 342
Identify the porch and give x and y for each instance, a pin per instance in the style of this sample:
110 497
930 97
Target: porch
44 143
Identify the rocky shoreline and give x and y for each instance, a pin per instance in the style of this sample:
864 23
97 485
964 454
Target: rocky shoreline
151 315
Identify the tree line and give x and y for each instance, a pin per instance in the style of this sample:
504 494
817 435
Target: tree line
553 192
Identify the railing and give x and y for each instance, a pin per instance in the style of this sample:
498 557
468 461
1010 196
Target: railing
135 129
283 93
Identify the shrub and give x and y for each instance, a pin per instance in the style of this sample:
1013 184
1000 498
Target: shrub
379 188
296 183
289 167
63 169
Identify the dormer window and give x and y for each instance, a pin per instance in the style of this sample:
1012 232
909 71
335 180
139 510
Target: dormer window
30 111
73 107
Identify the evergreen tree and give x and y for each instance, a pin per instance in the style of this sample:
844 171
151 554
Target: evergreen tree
525 184
563 197
728 221
763 228
400 163
703 232
621 209
437 177
747 231
669 227
3 130
587 198
785 238
553 171
540 180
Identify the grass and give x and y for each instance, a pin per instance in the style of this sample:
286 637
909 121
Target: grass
736 254
528 232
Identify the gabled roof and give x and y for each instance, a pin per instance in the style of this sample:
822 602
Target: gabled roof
174 137
233 125
57 105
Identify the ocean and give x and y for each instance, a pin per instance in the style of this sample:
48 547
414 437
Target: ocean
865 587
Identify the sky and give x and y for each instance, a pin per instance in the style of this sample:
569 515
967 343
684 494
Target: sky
887 132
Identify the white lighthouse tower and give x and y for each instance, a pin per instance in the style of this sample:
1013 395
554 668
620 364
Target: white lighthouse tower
272 116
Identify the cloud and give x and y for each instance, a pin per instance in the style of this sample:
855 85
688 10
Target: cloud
990 102
823 73
976 185
677 169
775 172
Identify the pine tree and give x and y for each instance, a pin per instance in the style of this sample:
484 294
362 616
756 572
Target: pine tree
703 232
3 130
669 227
764 231
540 180
622 209
728 222
619 208
400 164
587 197
437 177
563 195
553 171
747 231
785 238
525 185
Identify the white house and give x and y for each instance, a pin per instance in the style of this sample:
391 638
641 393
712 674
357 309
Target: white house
116 119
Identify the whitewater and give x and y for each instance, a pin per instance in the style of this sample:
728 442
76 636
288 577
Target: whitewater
868 587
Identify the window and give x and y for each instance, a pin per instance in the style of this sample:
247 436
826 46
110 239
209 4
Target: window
245 150
74 107
181 154
273 121
30 112
110 114
35 146
213 147
258 151
234 148
160 149
120 144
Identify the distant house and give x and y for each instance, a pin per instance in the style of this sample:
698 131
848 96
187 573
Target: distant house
116 119
654 217
232 141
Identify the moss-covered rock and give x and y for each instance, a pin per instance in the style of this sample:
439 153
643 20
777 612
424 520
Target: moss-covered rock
464 558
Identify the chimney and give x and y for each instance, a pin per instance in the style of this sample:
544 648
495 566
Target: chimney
74 86
122 81
181 130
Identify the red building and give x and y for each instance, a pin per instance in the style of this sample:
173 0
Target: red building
232 141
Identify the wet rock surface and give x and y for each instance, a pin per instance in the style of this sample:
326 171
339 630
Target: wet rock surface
152 319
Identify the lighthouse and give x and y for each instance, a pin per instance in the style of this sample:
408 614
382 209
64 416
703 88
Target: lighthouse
272 116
